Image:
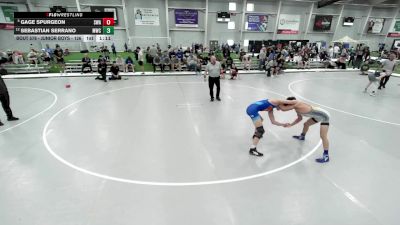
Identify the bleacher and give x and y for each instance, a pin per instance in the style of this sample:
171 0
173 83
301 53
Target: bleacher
26 68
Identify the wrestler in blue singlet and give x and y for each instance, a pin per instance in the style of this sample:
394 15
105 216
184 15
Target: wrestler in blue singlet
254 108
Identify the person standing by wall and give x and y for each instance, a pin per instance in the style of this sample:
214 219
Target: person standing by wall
336 50
140 59
113 50
5 98
330 52
213 70
387 67
262 56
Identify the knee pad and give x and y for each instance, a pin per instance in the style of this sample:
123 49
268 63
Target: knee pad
259 132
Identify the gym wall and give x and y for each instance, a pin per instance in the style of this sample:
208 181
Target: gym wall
216 31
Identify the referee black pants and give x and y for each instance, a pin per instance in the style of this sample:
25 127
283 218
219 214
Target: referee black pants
86 65
211 82
383 82
5 102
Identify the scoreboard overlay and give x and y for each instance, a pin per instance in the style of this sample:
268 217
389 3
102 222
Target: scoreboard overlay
64 26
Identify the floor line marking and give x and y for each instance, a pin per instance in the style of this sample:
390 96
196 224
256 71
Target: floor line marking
334 109
34 116
130 181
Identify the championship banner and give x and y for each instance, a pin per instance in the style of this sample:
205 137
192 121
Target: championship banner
186 18
322 23
106 9
375 26
8 13
396 44
147 17
395 30
257 22
289 24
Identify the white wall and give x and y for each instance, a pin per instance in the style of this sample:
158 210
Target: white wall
146 35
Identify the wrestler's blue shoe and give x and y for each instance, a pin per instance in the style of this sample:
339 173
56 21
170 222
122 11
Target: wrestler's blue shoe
299 137
324 159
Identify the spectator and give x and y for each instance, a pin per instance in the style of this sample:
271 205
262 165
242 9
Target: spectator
45 56
141 58
66 52
247 62
129 65
113 50
3 57
305 60
49 50
269 67
229 62
280 63
136 52
359 56
330 52
102 69
352 57
179 55
32 57
237 47
366 54
387 67
126 47
271 55
341 62
114 69
57 50
86 62
187 52
234 72
152 53
120 62
10 56
241 54
157 62
192 63
18 57
262 56
199 65
106 53
336 50
148 57
60 60
100 58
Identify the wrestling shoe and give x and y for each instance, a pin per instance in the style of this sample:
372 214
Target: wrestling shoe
324 159
299 137
253 151
1 124
12 118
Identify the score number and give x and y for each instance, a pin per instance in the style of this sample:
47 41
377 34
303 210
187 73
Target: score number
108 26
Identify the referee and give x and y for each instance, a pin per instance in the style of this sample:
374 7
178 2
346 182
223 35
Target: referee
213 70
5 98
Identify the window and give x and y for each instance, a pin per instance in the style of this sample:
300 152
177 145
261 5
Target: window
232 6
231 25
250 7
